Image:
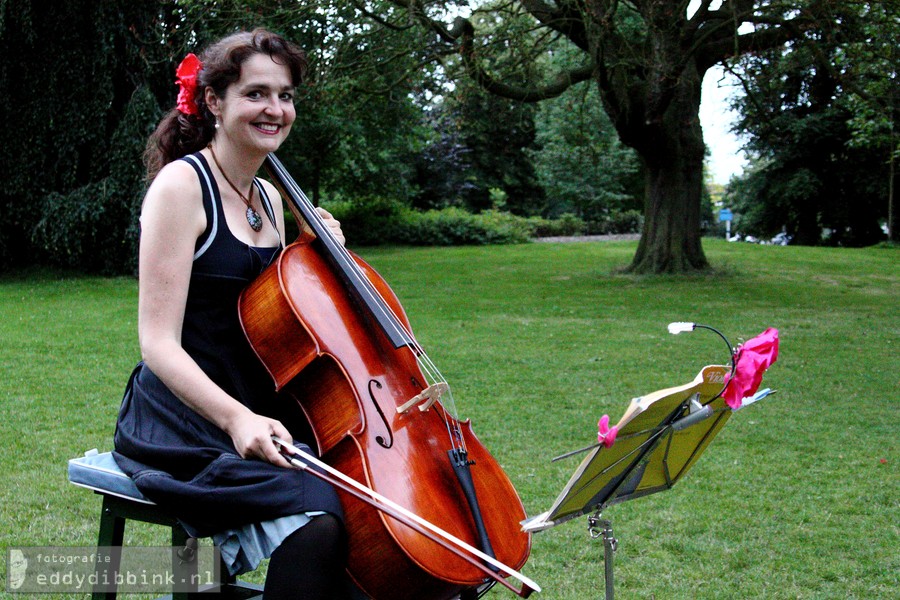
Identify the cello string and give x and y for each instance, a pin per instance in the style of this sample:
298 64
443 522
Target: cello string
300 459
362 280
350 266
364 285
447 403
430 370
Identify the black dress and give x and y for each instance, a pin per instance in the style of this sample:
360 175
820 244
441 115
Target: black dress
176 457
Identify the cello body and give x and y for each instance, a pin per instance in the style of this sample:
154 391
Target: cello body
325 352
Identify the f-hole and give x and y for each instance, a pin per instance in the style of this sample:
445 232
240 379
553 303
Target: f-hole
380 438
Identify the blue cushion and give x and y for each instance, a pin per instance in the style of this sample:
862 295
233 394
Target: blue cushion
99 472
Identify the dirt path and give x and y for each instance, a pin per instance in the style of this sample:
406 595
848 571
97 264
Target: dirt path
592 238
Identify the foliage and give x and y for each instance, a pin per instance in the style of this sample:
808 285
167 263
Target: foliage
377 222
382 117
647 60
66 80
370 221
581 163
74 228
867 63
814 176
441 168
454 226
566 225
357 131
357 121
626 221
615 222
87 60
486 140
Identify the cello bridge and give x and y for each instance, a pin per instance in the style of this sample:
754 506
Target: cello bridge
426 398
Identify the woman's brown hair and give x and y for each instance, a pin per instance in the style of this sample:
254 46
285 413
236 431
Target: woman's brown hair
179 134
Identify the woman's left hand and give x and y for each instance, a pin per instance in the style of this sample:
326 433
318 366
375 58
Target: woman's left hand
333 224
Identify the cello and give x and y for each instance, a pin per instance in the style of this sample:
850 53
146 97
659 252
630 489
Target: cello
336 341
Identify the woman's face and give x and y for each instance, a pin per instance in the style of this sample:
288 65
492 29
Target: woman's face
258 109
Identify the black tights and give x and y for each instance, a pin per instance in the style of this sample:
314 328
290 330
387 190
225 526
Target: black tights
309 563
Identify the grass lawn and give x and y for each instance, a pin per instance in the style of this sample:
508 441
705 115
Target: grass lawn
798 497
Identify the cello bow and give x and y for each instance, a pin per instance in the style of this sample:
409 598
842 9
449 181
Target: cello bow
302 460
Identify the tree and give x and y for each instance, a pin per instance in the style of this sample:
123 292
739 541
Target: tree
817 116
487 138
84 83
647 59
357 126
72 104
870 62
584 168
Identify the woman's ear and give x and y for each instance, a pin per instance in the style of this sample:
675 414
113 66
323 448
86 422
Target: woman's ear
212 101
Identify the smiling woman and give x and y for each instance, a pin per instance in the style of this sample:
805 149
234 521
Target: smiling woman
197 419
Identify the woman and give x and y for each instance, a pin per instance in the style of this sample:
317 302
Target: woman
196 424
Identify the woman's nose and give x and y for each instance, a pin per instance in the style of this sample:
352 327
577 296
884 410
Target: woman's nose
273 105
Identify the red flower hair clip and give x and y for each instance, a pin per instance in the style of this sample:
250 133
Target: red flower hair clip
186 74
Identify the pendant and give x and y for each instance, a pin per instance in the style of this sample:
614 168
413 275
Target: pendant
254 219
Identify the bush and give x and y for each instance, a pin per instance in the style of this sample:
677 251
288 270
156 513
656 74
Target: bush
371 221
506 228
379 221
628 221
81 230
456 227
94 227
566 225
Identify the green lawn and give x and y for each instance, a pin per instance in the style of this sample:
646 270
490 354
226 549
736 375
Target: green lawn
797 498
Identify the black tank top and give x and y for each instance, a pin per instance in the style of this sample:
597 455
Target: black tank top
223 267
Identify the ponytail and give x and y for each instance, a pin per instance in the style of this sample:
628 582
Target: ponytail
177 135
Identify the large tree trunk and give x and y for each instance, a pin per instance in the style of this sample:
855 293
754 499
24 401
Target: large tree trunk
672 149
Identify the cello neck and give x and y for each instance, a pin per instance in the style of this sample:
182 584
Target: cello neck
354 278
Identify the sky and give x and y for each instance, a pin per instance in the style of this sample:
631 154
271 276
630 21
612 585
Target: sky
726 158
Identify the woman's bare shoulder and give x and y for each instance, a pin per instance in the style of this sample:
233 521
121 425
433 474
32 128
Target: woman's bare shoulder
175 197
177 176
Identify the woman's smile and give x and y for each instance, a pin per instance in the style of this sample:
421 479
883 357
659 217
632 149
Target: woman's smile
269 128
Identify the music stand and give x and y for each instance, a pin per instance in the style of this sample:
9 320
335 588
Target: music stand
660 437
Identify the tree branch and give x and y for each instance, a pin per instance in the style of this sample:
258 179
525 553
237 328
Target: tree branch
361 7
779 31
462 34
566 19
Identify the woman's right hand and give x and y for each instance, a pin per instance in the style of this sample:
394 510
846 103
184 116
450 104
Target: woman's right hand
252 437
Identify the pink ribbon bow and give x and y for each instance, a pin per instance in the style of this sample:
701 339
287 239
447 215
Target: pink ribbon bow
186 79
606 435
